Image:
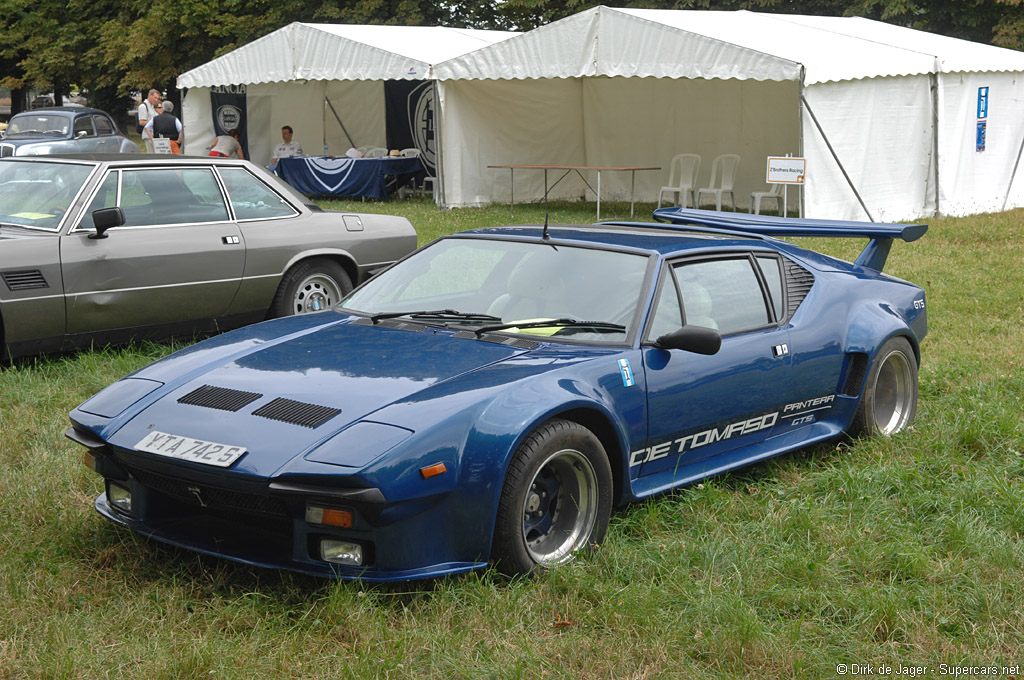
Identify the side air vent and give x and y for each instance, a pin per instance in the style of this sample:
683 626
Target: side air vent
856 369
220 398
25 279
296 412
798 284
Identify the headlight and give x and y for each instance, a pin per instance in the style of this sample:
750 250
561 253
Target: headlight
341 552
360 444
113 400
120 497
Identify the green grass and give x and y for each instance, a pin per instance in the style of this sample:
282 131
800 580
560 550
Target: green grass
878 551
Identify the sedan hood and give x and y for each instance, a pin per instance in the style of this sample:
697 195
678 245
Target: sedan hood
280 399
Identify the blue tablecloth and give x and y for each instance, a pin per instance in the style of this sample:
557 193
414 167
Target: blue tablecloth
346 176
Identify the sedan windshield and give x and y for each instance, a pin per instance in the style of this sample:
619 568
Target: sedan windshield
35 194
587 294
33 124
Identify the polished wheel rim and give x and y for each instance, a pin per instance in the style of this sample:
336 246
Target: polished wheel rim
560 508
316 293
893 394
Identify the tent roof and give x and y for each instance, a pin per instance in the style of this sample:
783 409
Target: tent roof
604 41
340 52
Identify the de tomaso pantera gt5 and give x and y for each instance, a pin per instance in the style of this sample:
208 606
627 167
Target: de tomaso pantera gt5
491 397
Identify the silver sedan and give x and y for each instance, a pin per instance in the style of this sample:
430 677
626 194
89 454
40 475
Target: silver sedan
64 129
107 247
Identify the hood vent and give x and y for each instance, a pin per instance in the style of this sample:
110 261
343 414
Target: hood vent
296 412
26 279
220 398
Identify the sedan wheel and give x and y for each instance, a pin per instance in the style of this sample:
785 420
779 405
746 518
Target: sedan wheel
556 499
311 286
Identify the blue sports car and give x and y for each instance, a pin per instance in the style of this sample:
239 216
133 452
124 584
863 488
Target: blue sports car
490 398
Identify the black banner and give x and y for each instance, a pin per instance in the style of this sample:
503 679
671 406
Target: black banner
229 113
409 111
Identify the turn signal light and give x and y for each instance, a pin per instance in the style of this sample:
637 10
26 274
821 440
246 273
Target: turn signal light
332 517
90 461
433 470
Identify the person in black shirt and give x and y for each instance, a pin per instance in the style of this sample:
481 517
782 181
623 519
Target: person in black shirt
165 126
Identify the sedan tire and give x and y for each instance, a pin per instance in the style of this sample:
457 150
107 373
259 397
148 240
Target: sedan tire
310 286
556 499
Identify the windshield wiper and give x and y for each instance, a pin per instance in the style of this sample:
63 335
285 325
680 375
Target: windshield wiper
597 326
435 314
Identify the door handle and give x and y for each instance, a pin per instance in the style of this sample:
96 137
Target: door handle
231 240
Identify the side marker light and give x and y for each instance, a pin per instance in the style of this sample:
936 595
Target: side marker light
433 470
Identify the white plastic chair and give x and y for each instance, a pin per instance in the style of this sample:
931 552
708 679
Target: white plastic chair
376 152
723 174
410 153
775 194
686 165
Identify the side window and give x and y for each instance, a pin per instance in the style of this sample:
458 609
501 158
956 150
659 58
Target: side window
106 197
667 312
83 127
773 277
722 294
251 198
103 125
171 196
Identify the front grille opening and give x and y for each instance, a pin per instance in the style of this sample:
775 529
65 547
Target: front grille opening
856 369
220 398
296 412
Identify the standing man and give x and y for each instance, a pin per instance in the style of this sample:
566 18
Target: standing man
166 126
147 112
287 148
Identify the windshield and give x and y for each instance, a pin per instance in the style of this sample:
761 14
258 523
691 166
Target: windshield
33 124
35 194
489 284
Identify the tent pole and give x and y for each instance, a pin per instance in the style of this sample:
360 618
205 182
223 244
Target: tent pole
935 134
1013 175
801 198
337 118
836 157
438 148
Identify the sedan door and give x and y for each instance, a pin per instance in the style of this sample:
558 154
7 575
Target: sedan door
107 139
178 258
702 408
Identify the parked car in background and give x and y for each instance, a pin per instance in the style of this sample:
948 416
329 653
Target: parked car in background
65 129
106 247
492 396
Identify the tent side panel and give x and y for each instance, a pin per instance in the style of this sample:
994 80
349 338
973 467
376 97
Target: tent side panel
197 120
881 130
275 104
360 106
489 122
647 121
974 181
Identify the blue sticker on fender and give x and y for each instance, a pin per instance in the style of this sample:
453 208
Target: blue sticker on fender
627 373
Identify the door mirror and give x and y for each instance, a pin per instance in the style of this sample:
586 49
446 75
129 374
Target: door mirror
104 219
696 339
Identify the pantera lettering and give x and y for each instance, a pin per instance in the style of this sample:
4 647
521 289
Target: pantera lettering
693 441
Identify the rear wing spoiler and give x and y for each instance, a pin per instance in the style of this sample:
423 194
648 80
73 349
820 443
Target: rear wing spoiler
873 256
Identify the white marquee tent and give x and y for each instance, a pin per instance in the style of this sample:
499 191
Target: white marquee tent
887 117
319 78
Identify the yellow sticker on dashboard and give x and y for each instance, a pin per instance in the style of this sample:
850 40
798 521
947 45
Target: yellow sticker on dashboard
33 216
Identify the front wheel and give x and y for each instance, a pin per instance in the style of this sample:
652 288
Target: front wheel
889 401
310 286
556 499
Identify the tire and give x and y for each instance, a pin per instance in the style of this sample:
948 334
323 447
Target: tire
310 286
556 499
889 402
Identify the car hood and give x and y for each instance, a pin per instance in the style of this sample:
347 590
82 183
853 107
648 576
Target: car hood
282 398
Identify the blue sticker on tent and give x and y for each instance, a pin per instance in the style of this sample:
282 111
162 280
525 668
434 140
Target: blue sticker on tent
982 103
981 135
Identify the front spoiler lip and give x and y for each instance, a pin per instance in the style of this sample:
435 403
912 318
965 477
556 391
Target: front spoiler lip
255 559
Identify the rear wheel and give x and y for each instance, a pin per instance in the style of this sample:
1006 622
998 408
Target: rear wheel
889 401
310 286
556 499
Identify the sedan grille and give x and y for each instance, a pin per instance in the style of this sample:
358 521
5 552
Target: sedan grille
296 412
6 150
220 398
25 280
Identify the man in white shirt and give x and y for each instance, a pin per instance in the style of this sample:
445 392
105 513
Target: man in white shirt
287 148
146 113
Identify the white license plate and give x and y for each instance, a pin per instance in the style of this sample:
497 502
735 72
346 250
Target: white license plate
187 448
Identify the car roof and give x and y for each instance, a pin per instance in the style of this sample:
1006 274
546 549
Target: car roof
130 159
651 238
62 109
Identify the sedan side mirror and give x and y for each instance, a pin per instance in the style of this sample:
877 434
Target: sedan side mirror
696 339
104 219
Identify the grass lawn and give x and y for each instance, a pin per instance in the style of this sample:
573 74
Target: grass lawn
881 552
